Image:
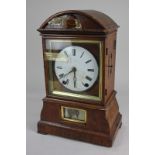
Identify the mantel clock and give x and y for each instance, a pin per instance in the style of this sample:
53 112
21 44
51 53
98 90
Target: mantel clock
79 49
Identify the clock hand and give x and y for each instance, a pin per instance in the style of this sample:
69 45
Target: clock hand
69 72
74 77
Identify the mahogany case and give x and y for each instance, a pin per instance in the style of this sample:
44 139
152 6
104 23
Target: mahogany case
103 118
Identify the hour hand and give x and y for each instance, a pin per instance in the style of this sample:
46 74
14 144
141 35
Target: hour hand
74 78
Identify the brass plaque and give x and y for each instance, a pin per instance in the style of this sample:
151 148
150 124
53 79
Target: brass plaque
73 114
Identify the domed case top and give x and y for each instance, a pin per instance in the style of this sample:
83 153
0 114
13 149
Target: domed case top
78 21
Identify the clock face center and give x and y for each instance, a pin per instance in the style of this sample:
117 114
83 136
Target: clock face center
79 72
74 69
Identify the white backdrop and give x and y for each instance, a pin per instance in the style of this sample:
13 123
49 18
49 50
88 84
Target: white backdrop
37 12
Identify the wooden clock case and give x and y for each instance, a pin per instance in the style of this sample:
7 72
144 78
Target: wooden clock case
103 117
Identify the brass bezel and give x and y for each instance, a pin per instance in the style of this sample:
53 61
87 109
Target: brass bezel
74 95
73 120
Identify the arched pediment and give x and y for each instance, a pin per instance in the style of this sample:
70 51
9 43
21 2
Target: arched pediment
78 20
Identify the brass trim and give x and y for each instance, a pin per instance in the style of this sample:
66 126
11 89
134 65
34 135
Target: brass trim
101 71
75 40
73 120
95 98
55 57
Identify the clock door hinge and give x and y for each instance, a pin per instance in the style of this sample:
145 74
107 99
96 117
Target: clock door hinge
114 44
105 92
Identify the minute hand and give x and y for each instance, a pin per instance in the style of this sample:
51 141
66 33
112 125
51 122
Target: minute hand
68 73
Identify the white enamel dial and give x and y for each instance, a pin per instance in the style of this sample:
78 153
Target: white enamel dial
79 72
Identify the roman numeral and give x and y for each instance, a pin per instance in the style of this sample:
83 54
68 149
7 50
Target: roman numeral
59 67
61 75
88 61
88 78
81 55
85 84
74 52
91 70
65 82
